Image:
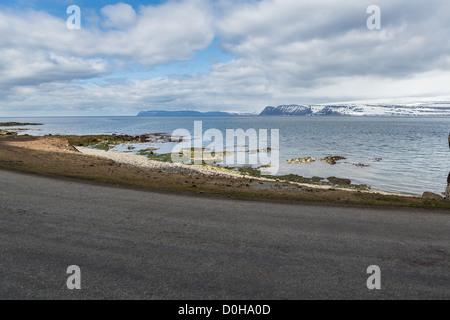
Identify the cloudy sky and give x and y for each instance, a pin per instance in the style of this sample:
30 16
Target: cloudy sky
223 55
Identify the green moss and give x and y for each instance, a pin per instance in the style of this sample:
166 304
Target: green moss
331 181
166 157
339 181
317 179
298 179
145 152
102 142
249 171
16 124
103 145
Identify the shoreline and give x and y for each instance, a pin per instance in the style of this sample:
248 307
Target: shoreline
57 157
315 176
141 161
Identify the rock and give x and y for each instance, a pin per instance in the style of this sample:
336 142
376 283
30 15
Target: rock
378 159
301 160
431 196
361 165
332 159
266 150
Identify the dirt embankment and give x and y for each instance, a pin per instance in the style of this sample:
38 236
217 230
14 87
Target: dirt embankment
48 144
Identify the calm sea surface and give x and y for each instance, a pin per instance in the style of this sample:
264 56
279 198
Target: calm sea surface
414 150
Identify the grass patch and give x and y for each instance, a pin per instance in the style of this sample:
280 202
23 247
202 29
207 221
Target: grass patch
102 142
331 181
339 181
300 179
166 157
249 171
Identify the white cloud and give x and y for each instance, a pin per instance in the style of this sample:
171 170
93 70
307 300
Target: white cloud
120 15
38 47
304 42
286 51
27 67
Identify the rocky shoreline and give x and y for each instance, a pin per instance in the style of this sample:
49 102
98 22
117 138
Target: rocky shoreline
332 160
55 156
139 161
329 159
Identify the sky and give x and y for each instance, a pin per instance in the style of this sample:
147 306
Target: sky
216 55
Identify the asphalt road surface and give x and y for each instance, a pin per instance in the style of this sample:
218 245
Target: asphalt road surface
134 244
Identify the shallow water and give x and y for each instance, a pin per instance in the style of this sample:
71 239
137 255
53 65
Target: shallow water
414 150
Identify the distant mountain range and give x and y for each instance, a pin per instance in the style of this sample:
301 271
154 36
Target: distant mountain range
424 107
439 106
287 110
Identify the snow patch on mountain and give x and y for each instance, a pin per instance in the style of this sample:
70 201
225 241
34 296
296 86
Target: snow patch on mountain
439 106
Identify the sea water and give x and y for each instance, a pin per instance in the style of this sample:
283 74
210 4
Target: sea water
414 150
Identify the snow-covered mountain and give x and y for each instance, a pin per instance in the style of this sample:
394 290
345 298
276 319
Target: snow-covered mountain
287 110
401 107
